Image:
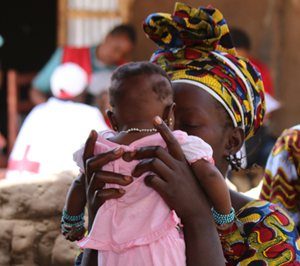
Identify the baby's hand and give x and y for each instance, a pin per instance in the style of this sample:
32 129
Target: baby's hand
74 234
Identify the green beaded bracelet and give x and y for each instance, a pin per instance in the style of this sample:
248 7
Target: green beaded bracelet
221 219
72 218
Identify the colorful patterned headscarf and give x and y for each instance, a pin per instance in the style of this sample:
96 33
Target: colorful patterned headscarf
195 47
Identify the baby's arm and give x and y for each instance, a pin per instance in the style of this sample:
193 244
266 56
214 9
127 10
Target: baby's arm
214 185
74 207
199 154
76 197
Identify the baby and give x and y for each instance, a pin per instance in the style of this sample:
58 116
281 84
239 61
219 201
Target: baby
139 228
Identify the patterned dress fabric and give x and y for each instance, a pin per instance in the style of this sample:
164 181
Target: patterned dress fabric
281 182
195 46
262 235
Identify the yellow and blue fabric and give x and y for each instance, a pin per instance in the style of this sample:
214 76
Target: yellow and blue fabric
195 47
263 235
281 182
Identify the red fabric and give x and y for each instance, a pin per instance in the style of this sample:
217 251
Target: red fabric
266 76
24 164
80 56
64 95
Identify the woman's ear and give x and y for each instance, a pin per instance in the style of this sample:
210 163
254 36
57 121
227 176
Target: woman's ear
168 115
112 119
235 141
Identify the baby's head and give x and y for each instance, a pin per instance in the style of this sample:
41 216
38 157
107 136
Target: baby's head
140 91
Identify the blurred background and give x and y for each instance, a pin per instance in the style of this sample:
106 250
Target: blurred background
30 32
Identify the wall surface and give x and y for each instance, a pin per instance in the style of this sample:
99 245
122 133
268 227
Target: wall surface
272 27
30 214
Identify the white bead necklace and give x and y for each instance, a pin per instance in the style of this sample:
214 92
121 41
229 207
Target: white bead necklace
144 130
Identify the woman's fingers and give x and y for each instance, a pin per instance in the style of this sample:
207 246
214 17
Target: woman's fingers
158 184
102 195
96 195
89 146
109 193
95 163
99 180
154 165
104 177
151 152
172 144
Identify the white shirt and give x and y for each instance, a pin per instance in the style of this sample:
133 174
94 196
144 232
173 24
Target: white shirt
49 136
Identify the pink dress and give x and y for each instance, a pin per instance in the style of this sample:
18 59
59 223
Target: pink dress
139 228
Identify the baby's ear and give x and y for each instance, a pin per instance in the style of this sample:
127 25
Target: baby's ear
112 119
168 115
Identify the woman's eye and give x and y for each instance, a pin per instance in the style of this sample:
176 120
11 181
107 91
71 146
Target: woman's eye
191 125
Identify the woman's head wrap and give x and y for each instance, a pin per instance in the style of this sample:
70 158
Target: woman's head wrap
195 47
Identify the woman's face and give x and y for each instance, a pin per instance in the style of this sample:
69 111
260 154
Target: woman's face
198 114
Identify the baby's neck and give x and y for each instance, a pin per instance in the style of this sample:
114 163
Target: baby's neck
133 131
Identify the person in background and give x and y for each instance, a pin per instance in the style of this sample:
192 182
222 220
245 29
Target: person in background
53 129
259 147
3 157
281 182
3 141
98 62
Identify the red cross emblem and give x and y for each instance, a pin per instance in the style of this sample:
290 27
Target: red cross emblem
24 164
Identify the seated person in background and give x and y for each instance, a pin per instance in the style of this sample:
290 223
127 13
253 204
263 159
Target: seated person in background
53 129
3 158
103 58
281 182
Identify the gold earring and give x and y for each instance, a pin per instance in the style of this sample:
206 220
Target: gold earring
170 121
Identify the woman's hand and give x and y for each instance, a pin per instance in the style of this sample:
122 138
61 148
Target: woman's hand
177 185
96 178
173 179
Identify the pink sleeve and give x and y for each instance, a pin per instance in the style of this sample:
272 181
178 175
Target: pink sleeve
196 149
77 156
